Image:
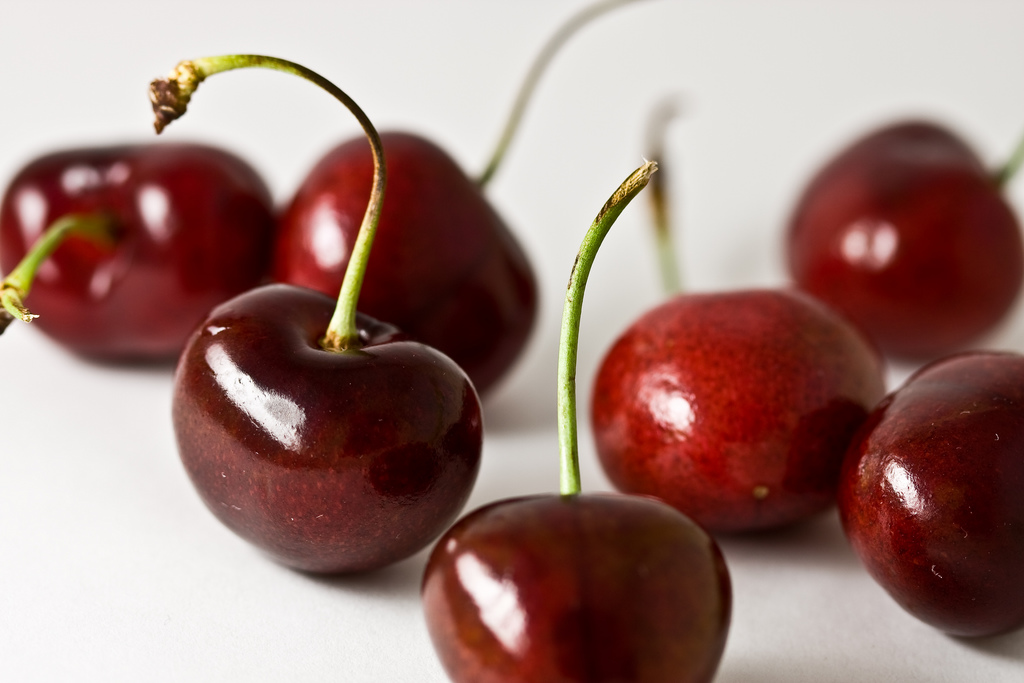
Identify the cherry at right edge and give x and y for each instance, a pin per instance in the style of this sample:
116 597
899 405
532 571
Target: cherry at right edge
930 494
907 233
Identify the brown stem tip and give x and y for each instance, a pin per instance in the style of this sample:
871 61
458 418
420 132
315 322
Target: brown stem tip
170 95
634 183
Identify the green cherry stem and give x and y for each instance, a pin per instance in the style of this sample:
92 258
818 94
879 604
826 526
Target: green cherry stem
170 97
568 441
533 76
661 211
15 287
1011 166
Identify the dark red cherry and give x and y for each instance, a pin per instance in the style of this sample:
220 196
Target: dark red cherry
328 461
736 407
577 588
323 437
444 268
930 494
906 233
194 227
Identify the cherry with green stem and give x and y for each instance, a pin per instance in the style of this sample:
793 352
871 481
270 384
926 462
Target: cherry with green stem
577 587
475 298
734 407
326 438
187 227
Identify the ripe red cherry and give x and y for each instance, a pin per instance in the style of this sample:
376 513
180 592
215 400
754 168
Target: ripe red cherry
330 462
326 439
193 227
445 268
578 587
736 408
907 234
930 494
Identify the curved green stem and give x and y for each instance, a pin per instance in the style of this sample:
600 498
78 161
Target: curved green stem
16 286
1011 166
661 116
170 97
537 69
568 441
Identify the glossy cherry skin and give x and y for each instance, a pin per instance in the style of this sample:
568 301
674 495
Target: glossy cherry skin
930 494
194 227
906 233
577 589
444 268
330 462
736 407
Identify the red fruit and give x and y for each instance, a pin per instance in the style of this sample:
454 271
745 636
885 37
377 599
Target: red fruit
577 588
735 408
906 233
194 228
328 461
930 494
444 269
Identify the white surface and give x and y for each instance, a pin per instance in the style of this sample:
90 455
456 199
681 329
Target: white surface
111 569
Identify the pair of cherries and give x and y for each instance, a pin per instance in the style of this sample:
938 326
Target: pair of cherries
750 409
191 226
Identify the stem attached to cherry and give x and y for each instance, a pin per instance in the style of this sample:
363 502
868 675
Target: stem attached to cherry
661 116
537 69
1012 165
170 97
568 442
15 287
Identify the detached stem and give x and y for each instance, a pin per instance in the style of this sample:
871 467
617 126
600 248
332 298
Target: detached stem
170 97
1012 165
661 215
15 287
568 441
533 76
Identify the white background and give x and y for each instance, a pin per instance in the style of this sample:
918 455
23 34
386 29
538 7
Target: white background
110 567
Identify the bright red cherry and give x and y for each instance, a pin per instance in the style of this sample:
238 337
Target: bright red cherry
193 226
736 407
906 233
930 494
444 268
578 588
328 440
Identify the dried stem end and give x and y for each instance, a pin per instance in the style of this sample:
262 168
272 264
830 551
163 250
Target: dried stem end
170 95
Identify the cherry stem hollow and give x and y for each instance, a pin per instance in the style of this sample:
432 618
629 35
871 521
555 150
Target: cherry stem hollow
533 76
663 114
170 97
568 440
15 287
1012 165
